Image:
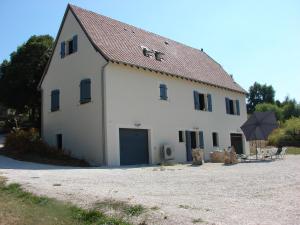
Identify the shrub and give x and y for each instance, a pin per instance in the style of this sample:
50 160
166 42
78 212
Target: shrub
23 141
27 145
287 135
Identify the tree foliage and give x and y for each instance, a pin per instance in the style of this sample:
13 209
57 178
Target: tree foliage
258 94
19 77
287 135
285 110
264 107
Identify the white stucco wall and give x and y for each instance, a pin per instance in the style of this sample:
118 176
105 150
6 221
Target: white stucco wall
80 125
133 97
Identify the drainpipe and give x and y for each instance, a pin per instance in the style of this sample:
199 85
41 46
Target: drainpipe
103 98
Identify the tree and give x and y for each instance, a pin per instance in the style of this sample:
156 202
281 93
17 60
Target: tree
259 93
264 107
19 77
290 108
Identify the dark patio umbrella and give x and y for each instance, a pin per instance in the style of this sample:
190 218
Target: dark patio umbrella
259 126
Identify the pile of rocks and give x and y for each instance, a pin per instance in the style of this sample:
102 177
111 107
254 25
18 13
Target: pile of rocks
230 157
197 155
217 156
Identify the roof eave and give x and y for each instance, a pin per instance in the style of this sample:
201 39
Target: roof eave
179 76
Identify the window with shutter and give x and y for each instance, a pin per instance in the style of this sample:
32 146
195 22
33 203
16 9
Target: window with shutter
62 49
85 91
68 47
227 105
201 140
196 100
75 41
209 102
232 106
163 92
54 100
237 107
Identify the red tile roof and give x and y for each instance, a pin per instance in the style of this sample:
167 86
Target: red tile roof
121 42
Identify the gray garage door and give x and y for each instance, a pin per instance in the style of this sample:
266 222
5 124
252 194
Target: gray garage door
133 146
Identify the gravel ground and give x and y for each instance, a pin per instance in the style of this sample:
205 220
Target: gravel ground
246 193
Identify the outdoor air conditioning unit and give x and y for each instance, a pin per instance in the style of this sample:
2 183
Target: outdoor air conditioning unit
168 152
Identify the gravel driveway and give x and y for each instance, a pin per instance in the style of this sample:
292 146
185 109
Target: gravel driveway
247 193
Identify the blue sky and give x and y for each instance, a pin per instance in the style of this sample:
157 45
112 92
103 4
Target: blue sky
253 40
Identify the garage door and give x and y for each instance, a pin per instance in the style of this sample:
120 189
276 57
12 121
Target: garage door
134 146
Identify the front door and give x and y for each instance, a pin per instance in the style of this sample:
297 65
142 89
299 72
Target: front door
190 144
237 143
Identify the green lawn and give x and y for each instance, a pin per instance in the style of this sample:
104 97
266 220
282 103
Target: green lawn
293 151
18 207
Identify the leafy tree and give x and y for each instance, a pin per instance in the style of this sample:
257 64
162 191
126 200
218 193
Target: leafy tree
19 77
287 135
263 107
259 93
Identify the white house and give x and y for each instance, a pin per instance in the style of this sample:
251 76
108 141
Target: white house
114 94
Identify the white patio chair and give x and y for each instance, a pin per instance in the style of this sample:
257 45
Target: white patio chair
283 152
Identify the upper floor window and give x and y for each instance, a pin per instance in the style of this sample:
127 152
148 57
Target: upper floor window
202 101
54 100
85 91
232 106
163 92
68 47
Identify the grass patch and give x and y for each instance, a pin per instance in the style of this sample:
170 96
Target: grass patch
293 151
19 207
121 206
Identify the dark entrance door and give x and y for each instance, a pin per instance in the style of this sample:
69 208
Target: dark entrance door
133 146
237 143
190 144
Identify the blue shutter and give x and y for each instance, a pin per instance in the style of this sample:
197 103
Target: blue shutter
85 91
209 103
163 92
237 107
196 100
75 43
227 105
201 140
188 141
55 100
62 49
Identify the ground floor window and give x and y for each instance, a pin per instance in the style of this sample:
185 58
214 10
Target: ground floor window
59 141
215 139
180 136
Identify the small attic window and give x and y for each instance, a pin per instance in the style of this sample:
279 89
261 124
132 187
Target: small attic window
158 55
147 52
166 43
